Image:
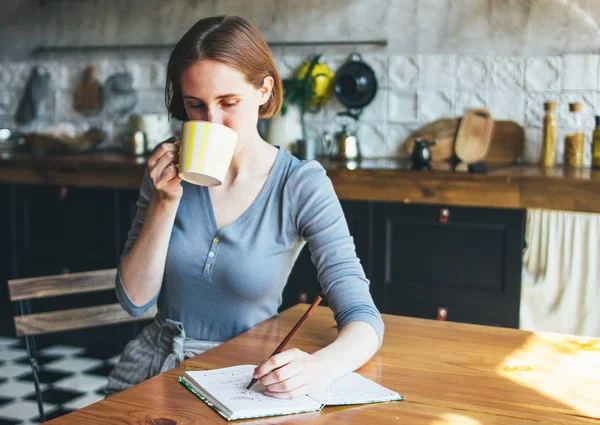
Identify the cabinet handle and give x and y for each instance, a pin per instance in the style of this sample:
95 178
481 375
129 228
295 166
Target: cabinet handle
444 215
63 192
442 313
302 297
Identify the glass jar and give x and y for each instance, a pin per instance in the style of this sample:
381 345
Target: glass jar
574 142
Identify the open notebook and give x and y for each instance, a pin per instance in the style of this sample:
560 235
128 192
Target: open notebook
225 391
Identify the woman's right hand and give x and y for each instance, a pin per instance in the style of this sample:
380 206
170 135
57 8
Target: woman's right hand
163 170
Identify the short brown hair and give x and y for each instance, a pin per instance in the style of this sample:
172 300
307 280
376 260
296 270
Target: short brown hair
232 40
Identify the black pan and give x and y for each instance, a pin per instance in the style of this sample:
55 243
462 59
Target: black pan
355 83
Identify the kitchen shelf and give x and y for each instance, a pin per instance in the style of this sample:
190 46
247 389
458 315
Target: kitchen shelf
123 47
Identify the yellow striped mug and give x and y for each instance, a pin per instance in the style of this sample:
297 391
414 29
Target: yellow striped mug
205 153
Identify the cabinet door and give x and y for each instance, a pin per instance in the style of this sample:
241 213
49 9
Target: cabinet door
56 225
303 284
6 258
466 260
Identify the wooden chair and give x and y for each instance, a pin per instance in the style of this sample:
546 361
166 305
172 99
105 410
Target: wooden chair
29 324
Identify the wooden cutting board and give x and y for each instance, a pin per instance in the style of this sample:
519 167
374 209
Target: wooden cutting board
506 147
88 95
474 135
508 140
443 132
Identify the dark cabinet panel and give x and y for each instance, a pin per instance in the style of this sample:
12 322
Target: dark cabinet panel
44 264
303 283
65 221
467 261
417 258
68 229
6 258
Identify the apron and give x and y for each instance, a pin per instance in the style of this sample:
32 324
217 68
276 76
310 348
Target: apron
161 346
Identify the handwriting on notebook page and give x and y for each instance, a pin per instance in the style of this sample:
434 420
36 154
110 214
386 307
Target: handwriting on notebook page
353 388
230 386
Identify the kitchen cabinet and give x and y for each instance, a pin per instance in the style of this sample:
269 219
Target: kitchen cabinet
6 258
466 261
60 229
303 284
418 258
423 258
65 229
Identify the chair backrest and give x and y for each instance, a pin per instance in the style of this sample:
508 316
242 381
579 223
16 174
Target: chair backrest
27 289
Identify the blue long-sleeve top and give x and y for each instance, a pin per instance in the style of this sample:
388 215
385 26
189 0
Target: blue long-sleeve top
220 283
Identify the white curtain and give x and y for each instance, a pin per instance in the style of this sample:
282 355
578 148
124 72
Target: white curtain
561 273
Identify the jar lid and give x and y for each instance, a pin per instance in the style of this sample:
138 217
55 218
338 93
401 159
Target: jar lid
575 106
550 106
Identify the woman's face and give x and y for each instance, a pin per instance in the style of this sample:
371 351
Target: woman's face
216 92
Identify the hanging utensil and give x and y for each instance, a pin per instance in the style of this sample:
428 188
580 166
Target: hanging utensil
355 84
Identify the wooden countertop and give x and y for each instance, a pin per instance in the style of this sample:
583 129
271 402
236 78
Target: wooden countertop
515 186
450 373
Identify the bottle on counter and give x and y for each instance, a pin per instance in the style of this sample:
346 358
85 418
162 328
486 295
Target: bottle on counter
574 142
596 145
548 158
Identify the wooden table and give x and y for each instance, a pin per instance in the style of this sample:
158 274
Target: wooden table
450 373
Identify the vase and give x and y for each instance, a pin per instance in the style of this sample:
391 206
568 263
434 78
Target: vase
285 130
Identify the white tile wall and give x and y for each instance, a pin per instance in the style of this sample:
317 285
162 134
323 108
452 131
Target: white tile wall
507 73
434 104
19 72
588 101
150 102
4 102
396 134
380 65
404 72
373 134
377 110
402 106
5 75
507 105
543 73
438 72
534 106
468 99
413 90
472 72
580 72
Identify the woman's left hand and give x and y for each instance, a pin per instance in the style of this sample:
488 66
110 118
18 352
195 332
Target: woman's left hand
293 373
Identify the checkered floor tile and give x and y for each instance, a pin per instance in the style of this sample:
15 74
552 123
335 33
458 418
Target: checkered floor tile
70 378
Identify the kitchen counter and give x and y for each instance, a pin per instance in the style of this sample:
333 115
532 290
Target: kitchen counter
515 186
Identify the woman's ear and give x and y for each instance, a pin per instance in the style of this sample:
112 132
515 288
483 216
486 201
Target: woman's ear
266 89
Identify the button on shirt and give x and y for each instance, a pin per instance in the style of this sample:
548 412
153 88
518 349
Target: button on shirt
222 282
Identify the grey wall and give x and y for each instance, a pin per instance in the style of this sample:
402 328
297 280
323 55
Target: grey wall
444 57
505 27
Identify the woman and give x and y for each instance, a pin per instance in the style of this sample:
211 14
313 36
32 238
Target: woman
216 259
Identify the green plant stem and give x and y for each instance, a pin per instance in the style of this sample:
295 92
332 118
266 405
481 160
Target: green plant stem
302 124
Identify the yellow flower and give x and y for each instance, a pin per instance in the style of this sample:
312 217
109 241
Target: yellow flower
323 83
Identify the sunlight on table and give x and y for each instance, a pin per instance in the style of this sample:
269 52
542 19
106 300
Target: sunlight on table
563 368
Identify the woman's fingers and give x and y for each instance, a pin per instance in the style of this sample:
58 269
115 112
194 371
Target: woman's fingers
168 158
277 361
162 149
282 374
288 386
170 172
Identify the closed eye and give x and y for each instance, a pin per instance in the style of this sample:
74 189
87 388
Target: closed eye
230 103
197 105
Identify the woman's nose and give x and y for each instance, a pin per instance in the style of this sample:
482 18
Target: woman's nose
213 115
